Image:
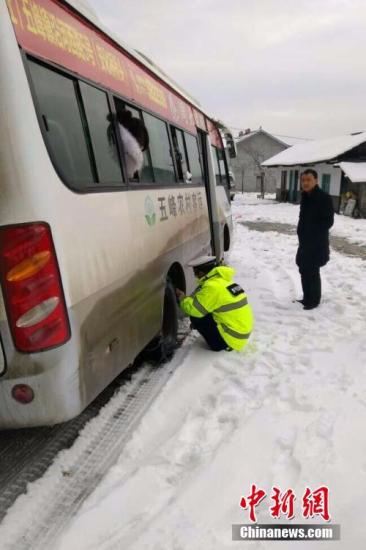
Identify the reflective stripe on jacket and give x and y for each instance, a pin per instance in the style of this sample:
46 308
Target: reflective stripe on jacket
226 301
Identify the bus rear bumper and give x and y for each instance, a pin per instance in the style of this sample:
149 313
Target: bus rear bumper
56 399
53 378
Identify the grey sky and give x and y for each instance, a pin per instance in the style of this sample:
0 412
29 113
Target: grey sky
296 67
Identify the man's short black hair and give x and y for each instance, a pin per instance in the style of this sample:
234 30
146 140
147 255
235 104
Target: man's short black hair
312 172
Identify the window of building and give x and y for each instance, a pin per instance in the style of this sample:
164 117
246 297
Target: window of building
296 185
283 178
60 111
98 118
293 186
326 182
283 189
194 158
160 150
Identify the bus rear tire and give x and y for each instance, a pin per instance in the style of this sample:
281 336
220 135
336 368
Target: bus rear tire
169 329
162 347
226 239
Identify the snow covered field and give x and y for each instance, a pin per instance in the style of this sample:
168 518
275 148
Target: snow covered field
289 411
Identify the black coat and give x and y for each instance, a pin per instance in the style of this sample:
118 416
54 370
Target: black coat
315 220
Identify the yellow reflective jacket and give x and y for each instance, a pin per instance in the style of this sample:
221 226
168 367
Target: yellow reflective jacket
226 301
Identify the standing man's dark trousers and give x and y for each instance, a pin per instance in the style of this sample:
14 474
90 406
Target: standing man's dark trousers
207 328
311 284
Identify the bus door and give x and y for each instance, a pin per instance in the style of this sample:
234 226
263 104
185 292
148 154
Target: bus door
210 187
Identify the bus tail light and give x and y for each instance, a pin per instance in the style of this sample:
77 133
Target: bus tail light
32 287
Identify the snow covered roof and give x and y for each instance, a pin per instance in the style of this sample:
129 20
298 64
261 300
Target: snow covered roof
260 131
355 171
290 140
319 150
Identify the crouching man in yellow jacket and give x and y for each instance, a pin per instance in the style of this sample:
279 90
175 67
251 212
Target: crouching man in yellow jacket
218 308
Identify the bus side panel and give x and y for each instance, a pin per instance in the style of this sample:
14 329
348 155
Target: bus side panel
126 315
111 325
113 260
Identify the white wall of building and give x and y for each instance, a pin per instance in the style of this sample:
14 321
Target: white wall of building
321 168
252 150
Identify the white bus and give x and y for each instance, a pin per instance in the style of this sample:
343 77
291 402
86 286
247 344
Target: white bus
89 258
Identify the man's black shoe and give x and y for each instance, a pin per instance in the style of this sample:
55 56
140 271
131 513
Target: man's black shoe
300 301
310 307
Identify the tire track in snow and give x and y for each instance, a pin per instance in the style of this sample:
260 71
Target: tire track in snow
53 500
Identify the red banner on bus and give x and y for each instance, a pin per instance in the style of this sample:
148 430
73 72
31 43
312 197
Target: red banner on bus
53 32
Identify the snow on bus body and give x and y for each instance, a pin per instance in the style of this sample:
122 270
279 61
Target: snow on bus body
110 251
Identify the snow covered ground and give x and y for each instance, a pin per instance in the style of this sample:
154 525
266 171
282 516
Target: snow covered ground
289 411
284 212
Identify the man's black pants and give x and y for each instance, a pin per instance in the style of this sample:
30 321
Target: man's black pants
207 327
311 284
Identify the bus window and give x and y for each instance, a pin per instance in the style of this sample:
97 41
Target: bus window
160 151
180 155
58 104
105 150
194 158
220 155
216 165
146 174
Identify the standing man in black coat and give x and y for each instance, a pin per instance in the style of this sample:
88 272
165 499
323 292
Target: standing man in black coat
316 218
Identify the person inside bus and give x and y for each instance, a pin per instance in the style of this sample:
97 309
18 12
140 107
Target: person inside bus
218 308
135 140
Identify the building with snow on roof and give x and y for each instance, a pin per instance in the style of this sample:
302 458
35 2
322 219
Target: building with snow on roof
340 163
254 147
354 177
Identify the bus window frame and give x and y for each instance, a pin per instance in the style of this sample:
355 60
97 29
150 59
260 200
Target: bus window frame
177 183
173 130
214 152
226 167
136 185
96 187
224 178
200 156
87 133
124 185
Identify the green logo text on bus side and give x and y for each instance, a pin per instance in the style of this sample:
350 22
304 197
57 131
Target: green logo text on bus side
150 215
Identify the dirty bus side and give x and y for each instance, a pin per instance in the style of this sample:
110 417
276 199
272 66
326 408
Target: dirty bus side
88 255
